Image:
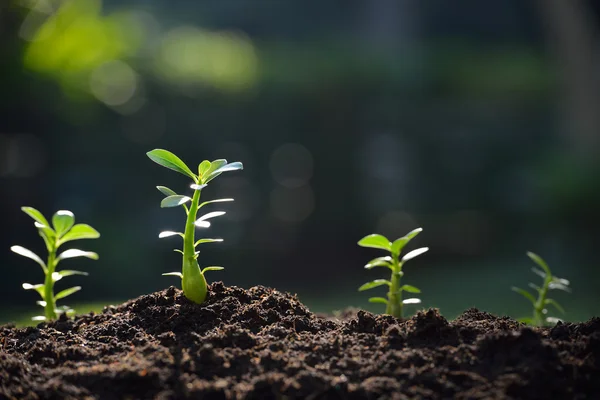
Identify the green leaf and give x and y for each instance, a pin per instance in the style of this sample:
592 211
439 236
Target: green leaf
174 201
57 276
539 261
62 221
525 294
213 201
555 304
171 161
198 187
203 167
215 165
72 253
559 286
553 320
562 281
38 288
165 234
234 166
36 215
200 241
539 272
374 284
376 241
179 274
212 268
412 254
80 231
202 221
22 251
166 191
378 300
47 235
412 300
410 289
179 251
534 286
410 235
380 262
67 292
398 245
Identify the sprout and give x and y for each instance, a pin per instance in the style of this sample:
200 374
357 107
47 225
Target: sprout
393 302
192 277
540 303
63 230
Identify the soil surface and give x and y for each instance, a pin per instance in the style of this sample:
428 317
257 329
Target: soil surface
264 344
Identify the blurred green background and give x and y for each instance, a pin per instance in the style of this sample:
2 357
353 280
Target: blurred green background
478 121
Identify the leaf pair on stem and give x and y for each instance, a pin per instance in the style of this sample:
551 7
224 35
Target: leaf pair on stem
62 230
192 277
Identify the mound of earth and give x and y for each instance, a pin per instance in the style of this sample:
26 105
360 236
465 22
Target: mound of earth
264 344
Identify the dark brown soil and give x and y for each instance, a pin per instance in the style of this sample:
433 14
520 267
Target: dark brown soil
264 344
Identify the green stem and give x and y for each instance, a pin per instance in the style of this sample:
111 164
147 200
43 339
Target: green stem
50 307
394 306
538 309
193 282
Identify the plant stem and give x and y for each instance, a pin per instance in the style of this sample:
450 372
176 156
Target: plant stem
394 306
538 309
193 282
50 307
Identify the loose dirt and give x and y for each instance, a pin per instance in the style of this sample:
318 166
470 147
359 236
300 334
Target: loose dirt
264 344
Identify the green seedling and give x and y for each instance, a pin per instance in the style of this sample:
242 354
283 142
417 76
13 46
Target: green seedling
192 277
63 230
542 301
394 302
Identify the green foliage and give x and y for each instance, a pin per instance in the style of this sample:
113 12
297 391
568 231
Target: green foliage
192 277
394 303
550 282
62 230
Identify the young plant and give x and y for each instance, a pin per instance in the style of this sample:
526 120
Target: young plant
192 277
539 304
394 302
63 230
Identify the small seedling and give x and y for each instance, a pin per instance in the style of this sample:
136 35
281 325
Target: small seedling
394 302
192 277
540 303
63 230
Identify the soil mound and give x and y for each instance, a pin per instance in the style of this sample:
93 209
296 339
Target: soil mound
264 344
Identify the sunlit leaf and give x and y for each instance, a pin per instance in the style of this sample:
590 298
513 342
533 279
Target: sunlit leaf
22 251
80 231
398 245
38 318
47 235
41 303
38 288
179 274
539 261
412 300
376 241
374 284
57 276
171 161
534 286
555 304
410 289
72 253
234 166
166 191
538 272
559 286
378 300
525 294
203 167
553 320
200 241
198 187
380 262
179 251
212 268
174 201
165 234
67 292
562 281
36 215
213 201
412 254
62 221
202 221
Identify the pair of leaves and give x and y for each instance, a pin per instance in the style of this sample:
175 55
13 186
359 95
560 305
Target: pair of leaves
207 170
60 295
381 242
180 275
381 282
383 300
64 225
71 253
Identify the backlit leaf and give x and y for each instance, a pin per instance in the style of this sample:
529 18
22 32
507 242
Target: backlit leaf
539 261
538 272
200 241
57 276
67 292
525 294
378 300
38 288
198 187
165 234
22 251
38 318
412 254
398 245
559 286
166 191
62 221
410 289
178 274
36 215
174 201
72 253
203 167
553 320
212 268
171 161
376 241
374 284
202 221
213 201
234 166
380 262
80 231
412 300
555 304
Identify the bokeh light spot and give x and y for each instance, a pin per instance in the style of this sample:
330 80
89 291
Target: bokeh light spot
114 83
292 205
291 165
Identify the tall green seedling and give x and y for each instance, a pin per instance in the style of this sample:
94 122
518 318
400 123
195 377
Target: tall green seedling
394 302
540 302
62 230
193 282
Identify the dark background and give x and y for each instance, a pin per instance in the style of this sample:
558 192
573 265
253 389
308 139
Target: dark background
478 121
